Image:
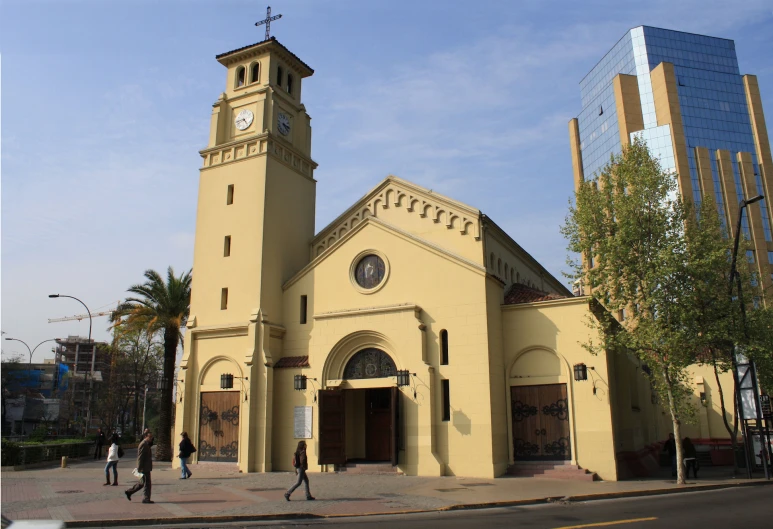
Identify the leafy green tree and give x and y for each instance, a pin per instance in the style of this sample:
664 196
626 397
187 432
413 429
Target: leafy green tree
632 225
161 307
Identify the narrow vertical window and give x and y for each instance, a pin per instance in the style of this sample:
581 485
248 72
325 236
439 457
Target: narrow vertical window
304 307
289 84
230 196
444 347
255 73
224 299
446 401
279 75
227 246
240 77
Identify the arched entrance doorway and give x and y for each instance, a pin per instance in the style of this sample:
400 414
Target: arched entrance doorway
359 421
539 407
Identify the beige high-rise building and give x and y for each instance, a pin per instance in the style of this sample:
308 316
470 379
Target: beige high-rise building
683 94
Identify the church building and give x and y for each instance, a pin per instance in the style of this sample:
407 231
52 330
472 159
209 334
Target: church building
411 333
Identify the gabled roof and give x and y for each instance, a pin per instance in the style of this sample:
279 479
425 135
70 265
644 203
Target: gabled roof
519 293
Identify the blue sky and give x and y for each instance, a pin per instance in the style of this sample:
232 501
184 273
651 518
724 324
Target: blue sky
105 105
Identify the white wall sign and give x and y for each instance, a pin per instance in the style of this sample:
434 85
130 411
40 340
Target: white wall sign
303 422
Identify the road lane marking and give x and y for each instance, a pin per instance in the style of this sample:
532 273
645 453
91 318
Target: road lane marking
604 524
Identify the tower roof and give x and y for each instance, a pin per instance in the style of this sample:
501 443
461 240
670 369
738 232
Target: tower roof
258 48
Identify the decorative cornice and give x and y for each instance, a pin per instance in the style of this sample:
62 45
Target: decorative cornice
551 303
240 327
403 307
438 250
258 145
264 48
395 192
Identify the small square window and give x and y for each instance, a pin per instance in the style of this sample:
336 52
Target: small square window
750 256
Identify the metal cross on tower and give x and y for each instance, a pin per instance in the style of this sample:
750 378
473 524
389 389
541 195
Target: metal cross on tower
267 21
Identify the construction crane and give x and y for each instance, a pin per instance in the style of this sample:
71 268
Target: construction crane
80 317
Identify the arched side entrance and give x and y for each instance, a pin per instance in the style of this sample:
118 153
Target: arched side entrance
219 414
540 412
359 413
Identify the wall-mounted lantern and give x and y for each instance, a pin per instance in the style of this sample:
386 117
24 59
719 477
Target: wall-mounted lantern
404 377
299 382
580 372
226 381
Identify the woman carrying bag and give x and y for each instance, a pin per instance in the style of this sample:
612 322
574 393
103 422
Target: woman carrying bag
186 449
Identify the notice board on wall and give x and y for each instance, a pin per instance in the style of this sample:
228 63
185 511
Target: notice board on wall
303 422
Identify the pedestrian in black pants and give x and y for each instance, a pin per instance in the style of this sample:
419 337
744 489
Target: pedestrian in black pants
301 465
99 442
144 465
670 447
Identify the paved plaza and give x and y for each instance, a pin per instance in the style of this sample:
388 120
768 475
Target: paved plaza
220 493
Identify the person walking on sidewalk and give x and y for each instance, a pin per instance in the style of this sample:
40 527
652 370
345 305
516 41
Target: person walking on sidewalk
670 447
144 466
112 461
301 464
186 449
690 458
99 443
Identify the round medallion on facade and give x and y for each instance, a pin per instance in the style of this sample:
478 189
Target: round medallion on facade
370 271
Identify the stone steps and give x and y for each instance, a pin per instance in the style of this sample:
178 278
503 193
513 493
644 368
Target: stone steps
551 470
366 467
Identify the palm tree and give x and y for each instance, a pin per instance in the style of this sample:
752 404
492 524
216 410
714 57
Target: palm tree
162 307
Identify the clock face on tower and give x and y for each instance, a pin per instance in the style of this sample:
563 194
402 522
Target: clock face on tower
243 119
283 124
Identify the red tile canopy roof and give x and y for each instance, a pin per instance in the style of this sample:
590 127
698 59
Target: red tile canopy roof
293 361
519 293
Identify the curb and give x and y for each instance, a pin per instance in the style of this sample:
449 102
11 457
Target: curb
459 507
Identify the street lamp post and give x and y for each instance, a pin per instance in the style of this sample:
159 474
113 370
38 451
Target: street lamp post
29 369
93 356
144 402
739 408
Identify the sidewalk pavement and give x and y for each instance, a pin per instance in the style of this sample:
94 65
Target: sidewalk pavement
219 493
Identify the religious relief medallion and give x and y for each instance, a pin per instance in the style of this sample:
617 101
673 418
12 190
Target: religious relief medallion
370 271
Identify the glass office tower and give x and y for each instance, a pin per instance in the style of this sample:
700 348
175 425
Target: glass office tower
684 95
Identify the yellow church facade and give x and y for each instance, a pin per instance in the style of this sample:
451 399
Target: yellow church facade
411 332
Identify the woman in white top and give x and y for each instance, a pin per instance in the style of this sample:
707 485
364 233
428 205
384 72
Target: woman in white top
112 461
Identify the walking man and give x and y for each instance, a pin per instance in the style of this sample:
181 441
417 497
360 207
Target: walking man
144 465
301 464
99 442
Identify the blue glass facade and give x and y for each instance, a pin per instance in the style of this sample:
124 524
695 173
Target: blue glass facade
711 97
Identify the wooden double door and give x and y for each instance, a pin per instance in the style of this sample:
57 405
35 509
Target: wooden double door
382 425
540 417
219 427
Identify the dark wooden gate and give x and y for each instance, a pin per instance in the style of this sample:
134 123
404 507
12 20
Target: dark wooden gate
540 416
332 432
219 426
378 425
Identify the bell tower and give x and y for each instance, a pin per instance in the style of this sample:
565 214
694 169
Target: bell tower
254 225
255 216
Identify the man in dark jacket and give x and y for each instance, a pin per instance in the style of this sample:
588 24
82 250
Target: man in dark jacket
99 442
144 465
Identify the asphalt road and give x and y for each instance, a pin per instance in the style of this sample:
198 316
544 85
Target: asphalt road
726 509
